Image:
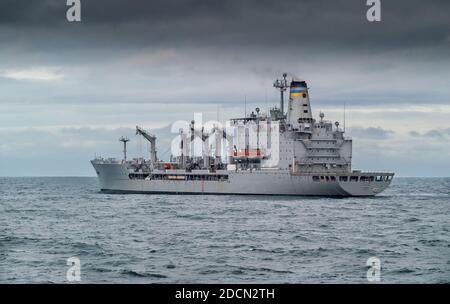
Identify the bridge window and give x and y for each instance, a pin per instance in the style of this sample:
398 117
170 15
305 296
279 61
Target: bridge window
343 178
353 178
316 178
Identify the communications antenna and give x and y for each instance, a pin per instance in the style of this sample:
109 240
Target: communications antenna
281 85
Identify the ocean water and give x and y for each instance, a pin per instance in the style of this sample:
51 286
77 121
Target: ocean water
222 239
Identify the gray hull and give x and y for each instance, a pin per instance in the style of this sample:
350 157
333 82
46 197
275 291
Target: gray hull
115 177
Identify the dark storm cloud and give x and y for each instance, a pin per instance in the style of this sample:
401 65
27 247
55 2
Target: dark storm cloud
340 25
105 58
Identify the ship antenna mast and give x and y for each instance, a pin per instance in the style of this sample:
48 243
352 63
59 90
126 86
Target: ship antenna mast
344 116
282 85
245 105
124 140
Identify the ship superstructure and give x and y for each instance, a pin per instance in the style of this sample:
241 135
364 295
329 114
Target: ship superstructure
275 153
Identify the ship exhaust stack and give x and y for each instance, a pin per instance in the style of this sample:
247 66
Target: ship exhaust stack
299 111
124 140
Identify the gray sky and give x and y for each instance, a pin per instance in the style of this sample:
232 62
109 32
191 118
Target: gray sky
69 90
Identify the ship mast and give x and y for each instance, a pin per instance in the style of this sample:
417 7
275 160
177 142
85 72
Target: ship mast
282 85
124 140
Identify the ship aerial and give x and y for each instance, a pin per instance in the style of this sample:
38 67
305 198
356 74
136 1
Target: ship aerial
275 153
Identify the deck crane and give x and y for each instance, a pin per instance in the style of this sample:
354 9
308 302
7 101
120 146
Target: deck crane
152 139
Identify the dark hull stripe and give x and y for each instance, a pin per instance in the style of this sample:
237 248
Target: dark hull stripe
221 193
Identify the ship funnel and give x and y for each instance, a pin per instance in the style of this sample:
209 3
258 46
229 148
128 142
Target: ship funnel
299 111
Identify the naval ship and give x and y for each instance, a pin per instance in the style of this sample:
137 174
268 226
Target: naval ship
275 153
